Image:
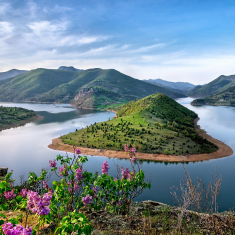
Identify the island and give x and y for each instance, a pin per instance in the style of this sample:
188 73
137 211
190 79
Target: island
14 117
160 128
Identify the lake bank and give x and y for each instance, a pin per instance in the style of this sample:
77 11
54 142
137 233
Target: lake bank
223 151
21 123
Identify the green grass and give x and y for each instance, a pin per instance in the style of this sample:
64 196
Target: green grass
159 125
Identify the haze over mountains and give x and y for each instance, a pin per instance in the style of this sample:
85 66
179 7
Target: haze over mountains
92 88
181 87
11 73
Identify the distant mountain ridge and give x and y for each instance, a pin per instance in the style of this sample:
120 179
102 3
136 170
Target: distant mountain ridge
11 73
214 87
179 86
69 68
91 88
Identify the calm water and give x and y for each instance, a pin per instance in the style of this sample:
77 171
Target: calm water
24 149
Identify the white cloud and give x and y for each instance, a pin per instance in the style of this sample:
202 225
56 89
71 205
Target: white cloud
5 28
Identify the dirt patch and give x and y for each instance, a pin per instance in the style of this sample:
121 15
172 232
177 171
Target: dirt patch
223 151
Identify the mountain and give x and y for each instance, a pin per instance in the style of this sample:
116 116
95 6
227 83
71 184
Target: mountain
154 124
92 88
181 86
70 68
214 87
225 97
11 73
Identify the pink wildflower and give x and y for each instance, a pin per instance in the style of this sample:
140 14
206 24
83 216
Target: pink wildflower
8 229
52 163
78 175
45 185
10 195
63 170
87 199
23 193
77 151
105 167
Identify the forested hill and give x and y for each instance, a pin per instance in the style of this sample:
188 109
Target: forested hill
92 88
155 124
162 107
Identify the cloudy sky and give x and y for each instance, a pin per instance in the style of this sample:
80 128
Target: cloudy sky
184 40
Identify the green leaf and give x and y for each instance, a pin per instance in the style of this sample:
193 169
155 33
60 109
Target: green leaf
3 216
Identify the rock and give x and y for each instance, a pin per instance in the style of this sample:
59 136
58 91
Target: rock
3 171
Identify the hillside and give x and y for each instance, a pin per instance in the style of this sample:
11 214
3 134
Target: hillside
219 84
155 124
226 97
13 116
11 73
180 87
92 88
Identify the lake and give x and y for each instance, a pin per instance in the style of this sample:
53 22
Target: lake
24 149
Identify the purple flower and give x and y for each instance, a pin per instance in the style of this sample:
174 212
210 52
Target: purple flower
77 151
126 148
8 229
105 168
45 185
87 199
75 186
23 193
78 175
10 195
63 170
38 205
95 191
52 163
133 159
126 174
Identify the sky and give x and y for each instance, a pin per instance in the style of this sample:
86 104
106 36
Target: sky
190 41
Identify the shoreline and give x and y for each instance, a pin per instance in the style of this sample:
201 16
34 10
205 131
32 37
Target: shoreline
21 123
223 151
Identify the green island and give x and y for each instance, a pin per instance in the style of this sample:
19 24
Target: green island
13 116
155 124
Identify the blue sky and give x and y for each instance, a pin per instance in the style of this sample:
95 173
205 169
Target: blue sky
174 40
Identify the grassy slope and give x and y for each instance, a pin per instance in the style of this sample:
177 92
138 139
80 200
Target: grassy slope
13 115
92 88
155 124
212 87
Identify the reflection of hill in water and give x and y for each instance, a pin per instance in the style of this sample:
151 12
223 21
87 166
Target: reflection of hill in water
63 116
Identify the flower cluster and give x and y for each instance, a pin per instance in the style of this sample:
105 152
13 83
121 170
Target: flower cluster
45 185
8 229
78 175
126 174
105 168
38 205
63 170
52 163
131 152
77 151
23 193
10 195
87 199
95 191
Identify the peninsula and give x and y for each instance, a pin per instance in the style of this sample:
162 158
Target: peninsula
159 127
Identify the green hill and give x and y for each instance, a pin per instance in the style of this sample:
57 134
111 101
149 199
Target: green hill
12 116
92 88
155 124
226 97
213 87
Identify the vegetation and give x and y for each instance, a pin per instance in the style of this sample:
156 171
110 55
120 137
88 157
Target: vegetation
216 86
76 189
92 88
155 124
12 116
226 97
